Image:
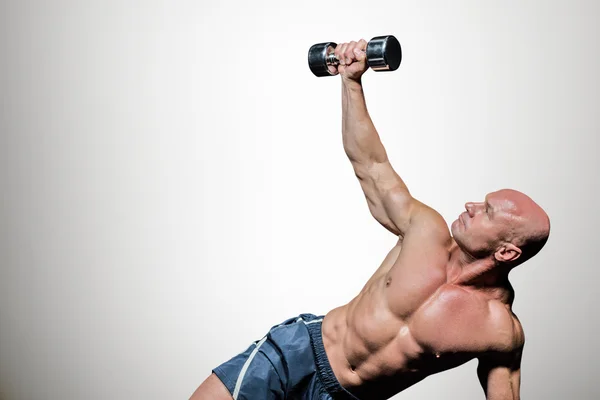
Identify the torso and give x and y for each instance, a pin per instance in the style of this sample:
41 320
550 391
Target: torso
410 320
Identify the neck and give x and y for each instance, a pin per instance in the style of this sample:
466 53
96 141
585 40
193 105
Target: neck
468 270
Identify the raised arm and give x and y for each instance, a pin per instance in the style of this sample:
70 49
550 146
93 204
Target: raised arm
500 375
388 198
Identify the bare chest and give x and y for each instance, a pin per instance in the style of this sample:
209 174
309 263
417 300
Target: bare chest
454 322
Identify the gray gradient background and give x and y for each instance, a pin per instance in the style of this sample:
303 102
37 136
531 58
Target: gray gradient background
173 181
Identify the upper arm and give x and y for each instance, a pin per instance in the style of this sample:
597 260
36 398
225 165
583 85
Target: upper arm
389 200
500 375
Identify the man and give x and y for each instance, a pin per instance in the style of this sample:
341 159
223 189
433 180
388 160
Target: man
438 300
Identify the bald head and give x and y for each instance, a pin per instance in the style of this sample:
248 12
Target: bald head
531 225
507 225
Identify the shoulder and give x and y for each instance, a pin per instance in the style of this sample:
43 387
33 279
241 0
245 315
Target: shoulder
498 328
509 335
427 221
506 348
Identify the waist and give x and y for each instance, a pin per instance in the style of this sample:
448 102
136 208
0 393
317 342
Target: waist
363 350
324 368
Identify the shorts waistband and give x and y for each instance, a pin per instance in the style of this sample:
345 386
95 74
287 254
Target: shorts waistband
324 371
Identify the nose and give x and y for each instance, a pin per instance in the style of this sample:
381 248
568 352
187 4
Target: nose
471 208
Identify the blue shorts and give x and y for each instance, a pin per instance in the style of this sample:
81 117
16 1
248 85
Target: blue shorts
288 363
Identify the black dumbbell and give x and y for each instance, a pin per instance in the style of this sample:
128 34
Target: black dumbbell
383 54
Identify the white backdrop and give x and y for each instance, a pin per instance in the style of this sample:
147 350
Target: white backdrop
173 181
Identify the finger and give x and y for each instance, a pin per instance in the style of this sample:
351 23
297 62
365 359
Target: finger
360 50
362 44
333 70
359 55
339 53
349 55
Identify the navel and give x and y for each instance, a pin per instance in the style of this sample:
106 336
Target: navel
388 281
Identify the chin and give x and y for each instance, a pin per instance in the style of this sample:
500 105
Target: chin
455 227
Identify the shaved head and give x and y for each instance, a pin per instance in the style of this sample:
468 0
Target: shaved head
507 224
532 225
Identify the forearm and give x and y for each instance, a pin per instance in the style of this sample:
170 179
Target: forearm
388 198
361 140
500 378
503 395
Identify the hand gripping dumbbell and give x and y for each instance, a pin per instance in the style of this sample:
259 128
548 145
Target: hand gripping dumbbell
383 54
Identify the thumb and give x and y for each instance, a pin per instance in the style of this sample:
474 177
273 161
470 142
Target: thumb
360 54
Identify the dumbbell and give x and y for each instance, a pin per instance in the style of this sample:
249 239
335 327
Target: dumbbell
383 54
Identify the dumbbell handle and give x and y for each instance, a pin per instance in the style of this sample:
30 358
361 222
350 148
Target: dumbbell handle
332 60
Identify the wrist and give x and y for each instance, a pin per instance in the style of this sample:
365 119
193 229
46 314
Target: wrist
352 84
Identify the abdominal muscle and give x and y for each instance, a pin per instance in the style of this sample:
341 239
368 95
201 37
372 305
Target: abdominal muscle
368 346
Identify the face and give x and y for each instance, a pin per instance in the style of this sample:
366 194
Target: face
481 228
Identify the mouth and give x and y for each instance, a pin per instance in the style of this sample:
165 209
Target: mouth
461 218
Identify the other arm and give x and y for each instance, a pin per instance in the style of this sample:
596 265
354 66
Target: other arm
500 375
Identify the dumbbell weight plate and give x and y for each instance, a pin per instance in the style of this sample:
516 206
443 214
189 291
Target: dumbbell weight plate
317 58
384 53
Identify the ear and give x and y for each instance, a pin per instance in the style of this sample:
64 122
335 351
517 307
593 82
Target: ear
507 252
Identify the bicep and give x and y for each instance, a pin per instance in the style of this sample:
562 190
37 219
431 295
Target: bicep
500 376
388 198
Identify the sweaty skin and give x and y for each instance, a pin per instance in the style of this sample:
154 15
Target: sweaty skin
420 314
440 297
